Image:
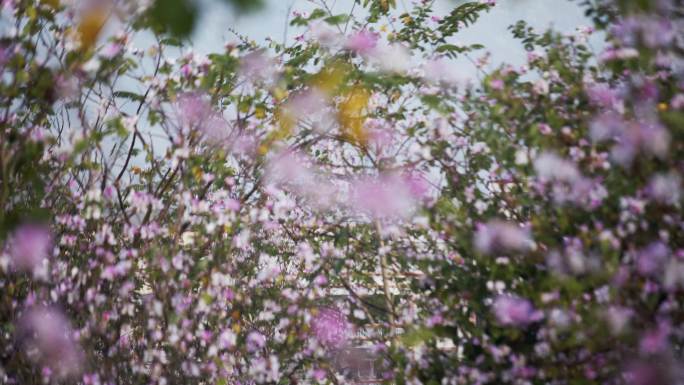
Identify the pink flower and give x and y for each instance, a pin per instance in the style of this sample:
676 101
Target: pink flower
216 129
112 50
656 340
652 258
441 71
67 86
502 236
618 318
325 35
256 66
331 328
362 42
48 339
195 113
394 57
255 341
665 188
497 84
319 374
631 137
646 373
186 70
29 245
307 104
678 102
603 95
290 168
551 167
387 196
193 108
515 311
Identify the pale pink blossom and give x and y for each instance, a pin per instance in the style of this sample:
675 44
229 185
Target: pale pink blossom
551 167
387 196
500 236
362 42
394 57
325 35
112 50
193 108
257 66
441 71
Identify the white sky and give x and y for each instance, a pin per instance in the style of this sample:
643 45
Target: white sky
491 30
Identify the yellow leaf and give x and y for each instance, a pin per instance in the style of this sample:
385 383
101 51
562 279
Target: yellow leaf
54 4
90 26
197 173
260 112
279 93
352 114
329 79
285 122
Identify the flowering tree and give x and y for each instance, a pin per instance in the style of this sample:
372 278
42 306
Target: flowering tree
243 217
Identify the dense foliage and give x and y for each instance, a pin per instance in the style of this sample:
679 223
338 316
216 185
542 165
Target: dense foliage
244 217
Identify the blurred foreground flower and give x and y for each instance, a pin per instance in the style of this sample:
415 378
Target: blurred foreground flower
515 311
331 328
29 246
47 338
499 236
388 196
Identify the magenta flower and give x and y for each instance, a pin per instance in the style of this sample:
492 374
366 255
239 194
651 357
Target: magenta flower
655 340
48 339
29 246
515 311
331 328
497 84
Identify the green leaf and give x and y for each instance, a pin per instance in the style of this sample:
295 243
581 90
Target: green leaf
176 17
337 19
128 95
